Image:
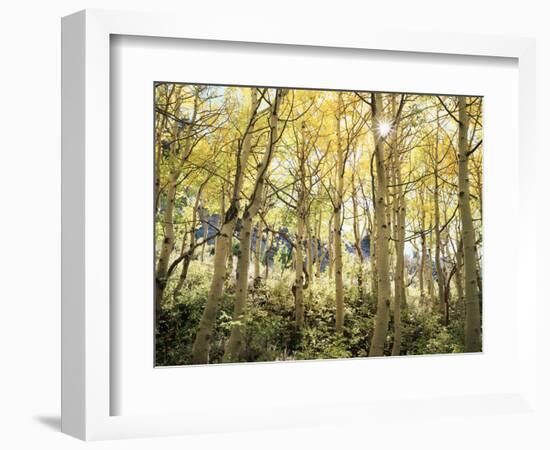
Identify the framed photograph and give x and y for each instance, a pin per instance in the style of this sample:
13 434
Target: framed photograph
291 214
277 208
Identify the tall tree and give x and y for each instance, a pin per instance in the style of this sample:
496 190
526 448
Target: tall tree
437 228
180 126
337 222
399 235
382 233
201 346
235 343
472 334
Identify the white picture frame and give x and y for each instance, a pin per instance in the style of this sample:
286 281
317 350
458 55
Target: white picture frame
86 325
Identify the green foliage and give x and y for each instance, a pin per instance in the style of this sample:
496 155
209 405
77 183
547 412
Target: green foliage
178 324
270 333
424 333
235 247
282 258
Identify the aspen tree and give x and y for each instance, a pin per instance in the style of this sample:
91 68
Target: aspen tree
382 235
330 247
189 254
257 253
235 343
459 279
357 233
423 249
299 280
337 224
309 248
400 209
201 346
437 229
472 333
318 249
168 216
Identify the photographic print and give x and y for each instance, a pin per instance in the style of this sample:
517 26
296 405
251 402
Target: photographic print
302 224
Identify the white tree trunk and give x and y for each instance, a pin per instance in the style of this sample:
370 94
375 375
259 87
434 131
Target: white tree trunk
382 238
472 332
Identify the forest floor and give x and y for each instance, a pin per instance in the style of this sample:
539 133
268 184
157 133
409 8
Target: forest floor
271 333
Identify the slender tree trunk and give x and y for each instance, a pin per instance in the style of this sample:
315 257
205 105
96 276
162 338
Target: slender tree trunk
319 254
399 285
473 314
204 235
298 286
357 240
184 269
447 279
337 230
160 127
299 281
330 247
421 266
230 264
189 254
373 270
438 266
235 343
399 282
201 346
429 271
372 232
309 250
459 280
382 238
167 244
257 254
338 275
266 254
440 275
168 218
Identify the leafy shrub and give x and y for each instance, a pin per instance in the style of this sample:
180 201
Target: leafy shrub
424 333
270 333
